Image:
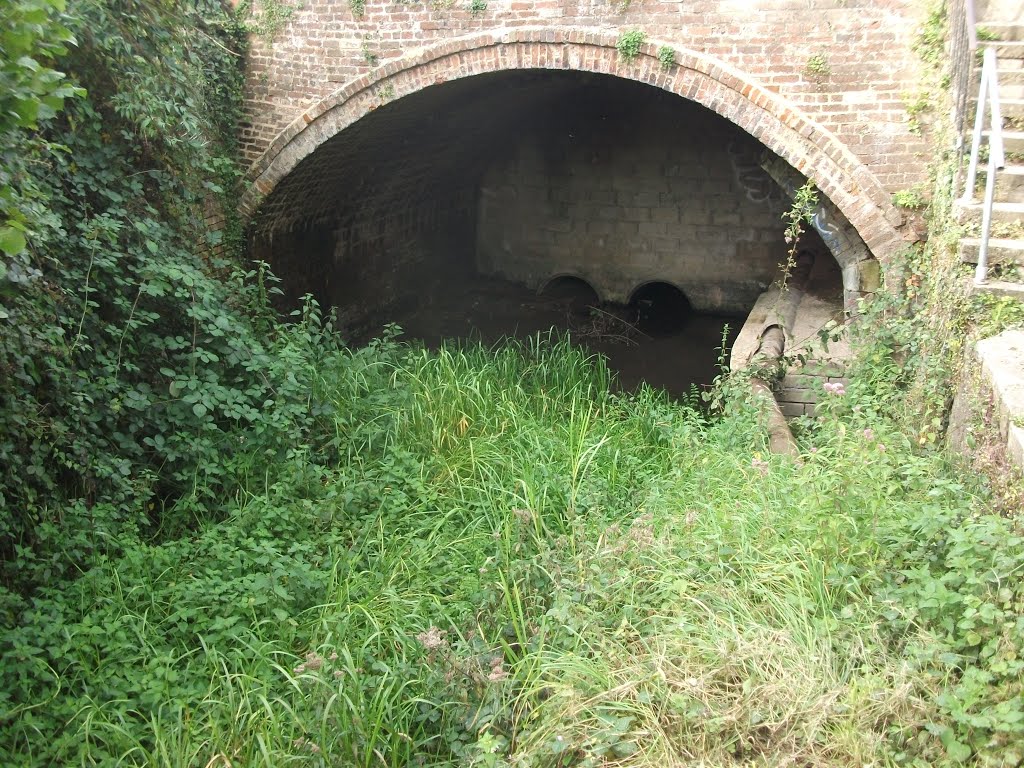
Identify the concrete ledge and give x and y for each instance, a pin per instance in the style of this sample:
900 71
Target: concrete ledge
1002 366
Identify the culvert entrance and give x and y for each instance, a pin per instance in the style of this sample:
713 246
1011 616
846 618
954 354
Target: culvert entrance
482 207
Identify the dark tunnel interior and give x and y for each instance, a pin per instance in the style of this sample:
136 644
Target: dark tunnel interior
505 204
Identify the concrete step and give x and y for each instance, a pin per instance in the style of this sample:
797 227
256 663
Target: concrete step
1013 141
1009 183
1000 250
1005 50
1002 213
1010 31
1000 288
1002 368
1009 108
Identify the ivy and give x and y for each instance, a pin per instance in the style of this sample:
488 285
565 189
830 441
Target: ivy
32 34
143 379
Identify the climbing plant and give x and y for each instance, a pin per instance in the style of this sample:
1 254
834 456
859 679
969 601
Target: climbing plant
142 379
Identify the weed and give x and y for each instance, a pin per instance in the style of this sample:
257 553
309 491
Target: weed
630 43
930 44
272 17
817 66
667 57
477 6
358 8
917 105
912 198
371 58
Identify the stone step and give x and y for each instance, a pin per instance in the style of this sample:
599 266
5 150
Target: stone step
1013 141
1002 213
1000 250
1000 288
1009 108
1005 50
1001 30
1009 183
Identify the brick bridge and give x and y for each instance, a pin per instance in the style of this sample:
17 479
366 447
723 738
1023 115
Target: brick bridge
394 144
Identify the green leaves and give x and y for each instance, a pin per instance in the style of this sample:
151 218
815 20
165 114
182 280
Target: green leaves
12 242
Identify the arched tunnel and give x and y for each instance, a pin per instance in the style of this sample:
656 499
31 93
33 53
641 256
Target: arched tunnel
505 203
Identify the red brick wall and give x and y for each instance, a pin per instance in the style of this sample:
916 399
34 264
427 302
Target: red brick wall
866 43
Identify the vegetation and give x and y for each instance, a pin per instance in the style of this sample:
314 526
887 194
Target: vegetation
630 43
667 57
912 198
817 66
228 540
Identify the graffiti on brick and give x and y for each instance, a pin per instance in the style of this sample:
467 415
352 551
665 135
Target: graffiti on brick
746 165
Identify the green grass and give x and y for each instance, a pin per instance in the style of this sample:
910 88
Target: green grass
505 564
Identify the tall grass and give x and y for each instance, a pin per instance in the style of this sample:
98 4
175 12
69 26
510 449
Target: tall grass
505 564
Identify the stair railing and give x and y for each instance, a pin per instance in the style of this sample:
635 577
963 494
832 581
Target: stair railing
988 101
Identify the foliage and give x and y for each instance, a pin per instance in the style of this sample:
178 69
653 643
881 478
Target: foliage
477 6
32 34
271 18
667 57
144 381
930 44
917 105
817 66
799 214
358 8
912 198
230 541
369 55
629 44
507 564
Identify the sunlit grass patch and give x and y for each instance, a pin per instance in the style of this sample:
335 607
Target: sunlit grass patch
505 564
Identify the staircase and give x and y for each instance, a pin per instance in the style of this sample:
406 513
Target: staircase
997 232
1004 275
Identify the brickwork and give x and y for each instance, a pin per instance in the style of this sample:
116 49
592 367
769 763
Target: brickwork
651 188
866 44
801 389
796 136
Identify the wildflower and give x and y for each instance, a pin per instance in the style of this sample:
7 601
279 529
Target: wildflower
338 674
498 672
313 661
525 515
333 657
869 434
432 639
835 388
881 447
760 465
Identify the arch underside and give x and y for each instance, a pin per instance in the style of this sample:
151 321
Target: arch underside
288 192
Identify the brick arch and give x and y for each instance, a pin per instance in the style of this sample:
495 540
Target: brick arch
777 124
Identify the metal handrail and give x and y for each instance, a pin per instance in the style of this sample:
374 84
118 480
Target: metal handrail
988 97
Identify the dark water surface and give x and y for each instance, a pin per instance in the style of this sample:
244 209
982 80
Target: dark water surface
490 309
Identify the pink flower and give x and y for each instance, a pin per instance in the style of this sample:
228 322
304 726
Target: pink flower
760 466
869 434
835 388
881 448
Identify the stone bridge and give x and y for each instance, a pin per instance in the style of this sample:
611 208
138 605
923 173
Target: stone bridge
393 144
